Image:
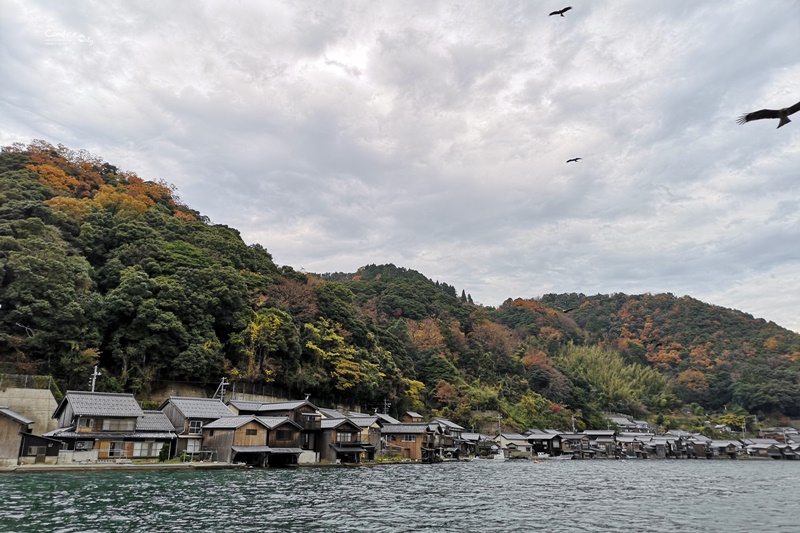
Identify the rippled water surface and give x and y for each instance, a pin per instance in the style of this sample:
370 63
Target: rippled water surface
625 496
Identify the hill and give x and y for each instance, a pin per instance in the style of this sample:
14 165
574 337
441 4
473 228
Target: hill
100 266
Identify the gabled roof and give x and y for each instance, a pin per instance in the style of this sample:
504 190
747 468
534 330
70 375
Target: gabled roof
387 419
413 414
154 421
331 413
232 422
448 423
363 421
273 422
334 423
198 407
419 427
5 411
283 406
107 404
513 436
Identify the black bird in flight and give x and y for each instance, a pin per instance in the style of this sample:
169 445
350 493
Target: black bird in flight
567 310
575 159
782 114
560 11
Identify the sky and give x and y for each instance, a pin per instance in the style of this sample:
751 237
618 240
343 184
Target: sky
434 135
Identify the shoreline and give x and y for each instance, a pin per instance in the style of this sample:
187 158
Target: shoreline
92 467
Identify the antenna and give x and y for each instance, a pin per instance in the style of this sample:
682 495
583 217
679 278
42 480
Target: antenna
94 376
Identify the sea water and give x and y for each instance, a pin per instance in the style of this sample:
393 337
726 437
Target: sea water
625 496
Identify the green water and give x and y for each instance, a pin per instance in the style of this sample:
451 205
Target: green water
699 496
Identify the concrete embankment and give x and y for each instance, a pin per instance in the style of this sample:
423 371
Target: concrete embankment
93 467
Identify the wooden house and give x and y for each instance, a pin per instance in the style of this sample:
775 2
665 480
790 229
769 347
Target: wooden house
188 416
340 441
101 426
12 428
513 444
544 443
576 445
407 440
302 412
412 417
259 441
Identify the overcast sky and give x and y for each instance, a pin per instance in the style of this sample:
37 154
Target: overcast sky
434 135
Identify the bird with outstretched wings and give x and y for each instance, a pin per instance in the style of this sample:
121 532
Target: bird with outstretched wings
781 114
560 11
574 159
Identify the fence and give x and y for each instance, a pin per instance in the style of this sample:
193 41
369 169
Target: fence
24 381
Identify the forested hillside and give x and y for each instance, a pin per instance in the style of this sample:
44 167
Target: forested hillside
102 267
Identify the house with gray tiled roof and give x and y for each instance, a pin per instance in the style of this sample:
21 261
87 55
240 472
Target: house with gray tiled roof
259 441
188 416
104 426
302 412
412 441
340 441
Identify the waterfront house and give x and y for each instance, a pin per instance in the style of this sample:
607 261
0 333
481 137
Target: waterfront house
188 416
406 440
96 425
544 443
259 441
450 443
302 412
601 442
576 444
513 444
370 433
12 428
340 441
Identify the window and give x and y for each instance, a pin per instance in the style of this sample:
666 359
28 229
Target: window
119 424
251 432
193 445
116 448
195 427
283 434
392 438
409 438
85 422
37 450
84 445
146 449
345 437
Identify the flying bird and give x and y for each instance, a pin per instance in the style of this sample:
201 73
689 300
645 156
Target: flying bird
575 159
782 114
560 11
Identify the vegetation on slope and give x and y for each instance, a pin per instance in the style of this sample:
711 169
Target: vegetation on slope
101 267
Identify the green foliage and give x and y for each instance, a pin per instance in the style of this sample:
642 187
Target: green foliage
100 267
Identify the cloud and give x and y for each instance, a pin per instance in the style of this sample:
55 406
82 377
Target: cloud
434 135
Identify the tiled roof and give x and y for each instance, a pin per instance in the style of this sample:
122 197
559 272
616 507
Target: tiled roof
199 407
14 415
282 406
331 413
232 422
448 423
274 421
100 404
363 421
154 421
330 423
405 428
388 419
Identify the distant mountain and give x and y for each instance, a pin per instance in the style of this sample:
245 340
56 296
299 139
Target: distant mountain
100 266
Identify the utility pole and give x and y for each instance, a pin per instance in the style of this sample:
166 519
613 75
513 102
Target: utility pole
94 376
386 405
221 389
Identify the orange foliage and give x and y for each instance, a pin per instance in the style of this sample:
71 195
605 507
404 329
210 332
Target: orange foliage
535 357
701 355
693 380
665 358
550 334
55 178
445 392
425 335
771 344
493 337
121 203
72 207
188 217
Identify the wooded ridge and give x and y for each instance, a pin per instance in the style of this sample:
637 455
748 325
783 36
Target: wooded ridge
102 267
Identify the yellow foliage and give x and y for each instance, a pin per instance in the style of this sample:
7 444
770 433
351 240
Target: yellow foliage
72 207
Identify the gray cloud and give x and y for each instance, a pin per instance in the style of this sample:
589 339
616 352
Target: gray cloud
434 135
